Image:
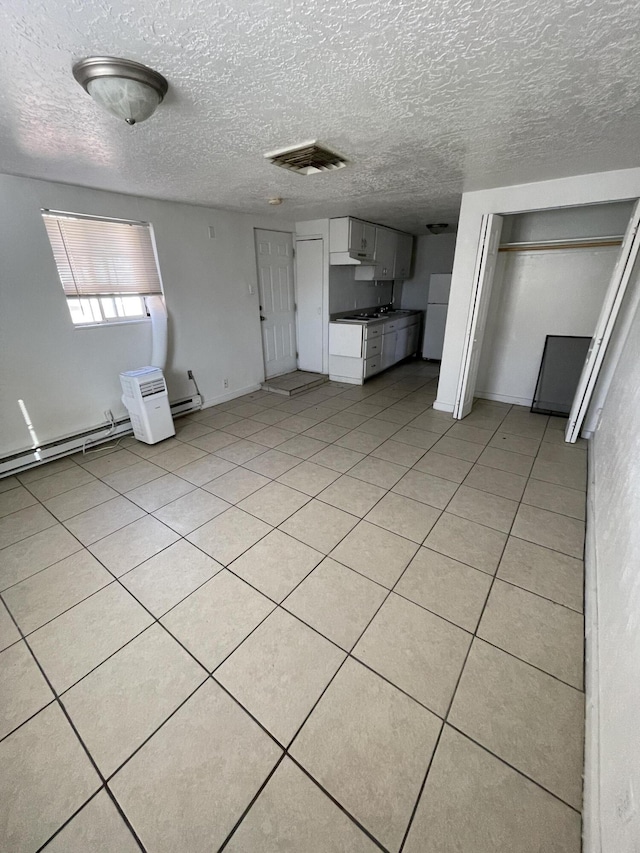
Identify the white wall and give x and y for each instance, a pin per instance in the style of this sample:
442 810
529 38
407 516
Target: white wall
536 294
433 253
67 376
613 572
563 192
347 294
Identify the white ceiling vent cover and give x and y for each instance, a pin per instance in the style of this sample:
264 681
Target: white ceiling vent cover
307 159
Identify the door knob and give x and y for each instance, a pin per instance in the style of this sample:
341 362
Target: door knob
262 319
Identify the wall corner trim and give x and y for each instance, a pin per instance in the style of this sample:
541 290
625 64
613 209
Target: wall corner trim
591 828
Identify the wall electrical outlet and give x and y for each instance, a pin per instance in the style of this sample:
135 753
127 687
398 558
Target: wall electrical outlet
225 383
212 232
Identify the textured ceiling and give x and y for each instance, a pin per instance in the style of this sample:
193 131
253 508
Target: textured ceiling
424 98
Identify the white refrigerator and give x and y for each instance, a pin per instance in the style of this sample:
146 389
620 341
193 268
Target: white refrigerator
438 302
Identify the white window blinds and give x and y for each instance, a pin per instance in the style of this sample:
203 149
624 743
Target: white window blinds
102 257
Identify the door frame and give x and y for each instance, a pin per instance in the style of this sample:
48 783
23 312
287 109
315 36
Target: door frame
295 292
506 211
305 238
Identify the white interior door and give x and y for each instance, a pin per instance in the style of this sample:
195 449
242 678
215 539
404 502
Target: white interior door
604 327
274 254
483 281
309 274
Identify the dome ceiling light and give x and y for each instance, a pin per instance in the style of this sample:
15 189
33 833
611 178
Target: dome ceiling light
126 89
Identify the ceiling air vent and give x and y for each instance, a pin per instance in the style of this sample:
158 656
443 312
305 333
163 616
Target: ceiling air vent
307 159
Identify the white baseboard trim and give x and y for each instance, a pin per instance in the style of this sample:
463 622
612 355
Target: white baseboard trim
230 395
439 406
504 398
591 829
91 437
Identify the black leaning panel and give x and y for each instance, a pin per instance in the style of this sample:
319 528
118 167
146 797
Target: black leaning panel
563 358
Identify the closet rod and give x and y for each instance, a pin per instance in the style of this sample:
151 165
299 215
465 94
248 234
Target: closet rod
576 243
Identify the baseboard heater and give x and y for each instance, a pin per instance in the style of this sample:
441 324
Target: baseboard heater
90 438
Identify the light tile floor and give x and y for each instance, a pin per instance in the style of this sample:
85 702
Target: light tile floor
338 622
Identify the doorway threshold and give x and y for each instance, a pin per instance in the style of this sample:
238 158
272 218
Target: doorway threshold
290 384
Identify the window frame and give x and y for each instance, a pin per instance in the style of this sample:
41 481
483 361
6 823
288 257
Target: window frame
119 319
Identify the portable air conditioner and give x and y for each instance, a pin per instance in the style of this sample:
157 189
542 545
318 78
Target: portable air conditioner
147 401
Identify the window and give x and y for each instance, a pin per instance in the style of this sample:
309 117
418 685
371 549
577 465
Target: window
107 267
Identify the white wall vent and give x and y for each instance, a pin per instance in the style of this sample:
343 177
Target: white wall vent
307 159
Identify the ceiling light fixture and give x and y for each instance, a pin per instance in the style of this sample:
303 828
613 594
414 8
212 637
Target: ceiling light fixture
125 88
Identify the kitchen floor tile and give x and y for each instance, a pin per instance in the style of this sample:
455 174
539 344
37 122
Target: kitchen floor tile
241 452
176 457
272 463
458 449
48 593
351 495
24 523
214 441
134 475
9 634
542 633
417 651
398 452
374 552
151 496
78 500
504 460
131 545
550 529
484 508
15 499
362 442
279 672
319 525
475 434
474 803
570 476
272 436
292 813
404 516
446 587
46 470
204 470
98 823
243 428
468 542
298 423
302 446
189 785
102 520
274 503
65 481
559 499
528 718
443 466
336 601
364 729
548 573
44 772
337 458
191 511
502 483
168 577
135 691
426 488
34 553
326 432
515 443
217 617
421 438
23 689
347 419
75 642
276 564
224 538
115 461
378 472
236 485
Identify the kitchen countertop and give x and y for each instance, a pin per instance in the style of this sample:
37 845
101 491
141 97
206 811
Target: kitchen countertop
388 315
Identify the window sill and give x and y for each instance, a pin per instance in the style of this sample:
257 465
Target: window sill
133 322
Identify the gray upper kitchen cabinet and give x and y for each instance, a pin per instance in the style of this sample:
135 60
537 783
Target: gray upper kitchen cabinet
403 255
351 241
386 245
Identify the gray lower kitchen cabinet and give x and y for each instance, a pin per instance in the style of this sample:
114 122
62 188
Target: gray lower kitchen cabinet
359 349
